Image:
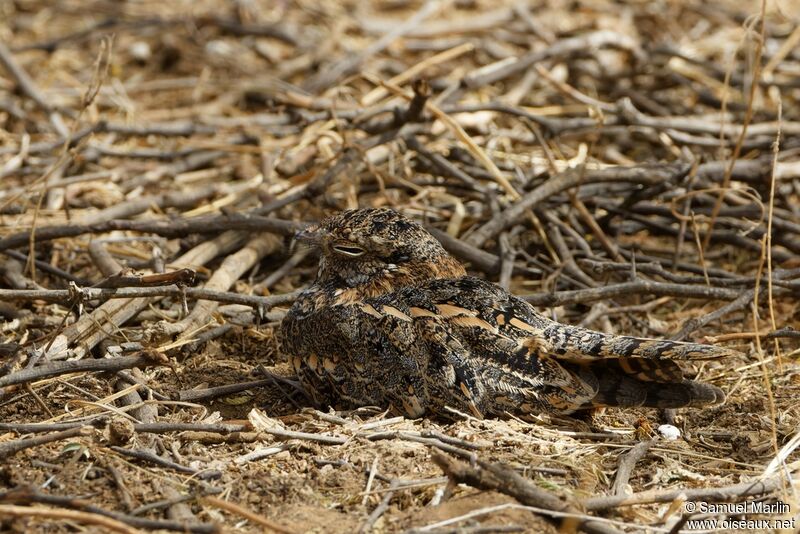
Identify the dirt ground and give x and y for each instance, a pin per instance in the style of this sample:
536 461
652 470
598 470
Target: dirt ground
246 104
311 487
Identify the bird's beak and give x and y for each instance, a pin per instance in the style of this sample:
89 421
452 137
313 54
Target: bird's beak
311 235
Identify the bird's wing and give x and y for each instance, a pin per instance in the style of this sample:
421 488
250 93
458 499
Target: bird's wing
478 357
475 302
523 358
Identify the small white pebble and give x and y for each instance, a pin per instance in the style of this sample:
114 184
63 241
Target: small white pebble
438 495
140 51
669 432
219 47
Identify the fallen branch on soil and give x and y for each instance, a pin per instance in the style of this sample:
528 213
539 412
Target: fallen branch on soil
82 511
79 366
64 296
627 462
494 477
10 448
380 509
646 174
197 395
113 525
637 287
247 514
147 456
722 493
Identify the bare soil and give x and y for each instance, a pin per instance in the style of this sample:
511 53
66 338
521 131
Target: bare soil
265 99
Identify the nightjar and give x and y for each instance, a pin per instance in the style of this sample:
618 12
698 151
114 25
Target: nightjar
393 319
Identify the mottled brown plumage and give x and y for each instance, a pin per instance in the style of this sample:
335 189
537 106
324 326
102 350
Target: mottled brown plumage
393 319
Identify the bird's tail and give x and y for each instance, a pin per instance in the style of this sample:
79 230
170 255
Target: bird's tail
628 382
630 371
581 343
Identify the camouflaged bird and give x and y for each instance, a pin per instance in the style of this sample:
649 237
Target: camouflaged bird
393 319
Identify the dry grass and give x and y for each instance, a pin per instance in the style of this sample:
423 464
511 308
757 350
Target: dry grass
563 146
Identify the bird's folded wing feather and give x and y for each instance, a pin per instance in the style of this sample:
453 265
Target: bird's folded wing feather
479 338
473 302
519 350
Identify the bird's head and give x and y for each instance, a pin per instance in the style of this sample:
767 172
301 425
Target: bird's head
377 249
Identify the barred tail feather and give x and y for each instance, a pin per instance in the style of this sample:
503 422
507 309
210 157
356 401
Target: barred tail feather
582 344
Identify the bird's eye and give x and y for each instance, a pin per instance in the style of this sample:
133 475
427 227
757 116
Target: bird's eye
349 250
